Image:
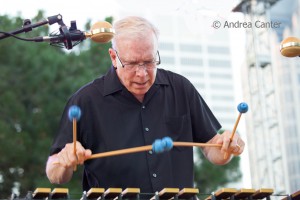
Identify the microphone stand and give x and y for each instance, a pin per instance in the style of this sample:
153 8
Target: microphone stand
67 34
27 26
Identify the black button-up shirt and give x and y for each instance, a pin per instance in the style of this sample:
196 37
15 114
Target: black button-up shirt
113 119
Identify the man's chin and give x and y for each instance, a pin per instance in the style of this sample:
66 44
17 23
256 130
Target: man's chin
140 91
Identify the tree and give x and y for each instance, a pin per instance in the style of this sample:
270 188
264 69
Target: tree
210 177
36 83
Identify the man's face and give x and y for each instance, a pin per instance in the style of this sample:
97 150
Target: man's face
137 52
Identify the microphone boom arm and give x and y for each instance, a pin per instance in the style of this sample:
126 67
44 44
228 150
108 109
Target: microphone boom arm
101 32
27 26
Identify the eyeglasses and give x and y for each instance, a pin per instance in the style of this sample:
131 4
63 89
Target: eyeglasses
133 66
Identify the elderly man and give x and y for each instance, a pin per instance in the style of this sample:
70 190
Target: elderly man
132 105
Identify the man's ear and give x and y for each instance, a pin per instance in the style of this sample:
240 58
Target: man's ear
113 57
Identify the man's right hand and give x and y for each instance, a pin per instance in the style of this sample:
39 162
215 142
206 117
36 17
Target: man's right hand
67 158
60 166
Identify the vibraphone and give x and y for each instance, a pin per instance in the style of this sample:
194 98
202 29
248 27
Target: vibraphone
165 194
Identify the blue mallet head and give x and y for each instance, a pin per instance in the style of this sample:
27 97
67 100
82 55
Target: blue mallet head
158 146
161 145
242 107
74 113
168 143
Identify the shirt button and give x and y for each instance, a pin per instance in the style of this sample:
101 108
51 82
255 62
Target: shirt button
146 129
143 107
150 152
154 175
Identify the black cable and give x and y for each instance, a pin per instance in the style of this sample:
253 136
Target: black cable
12 35
69 45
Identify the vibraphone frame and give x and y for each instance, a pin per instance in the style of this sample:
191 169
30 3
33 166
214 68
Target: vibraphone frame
165 194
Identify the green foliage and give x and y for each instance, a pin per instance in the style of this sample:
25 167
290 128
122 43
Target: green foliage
36 81
209 177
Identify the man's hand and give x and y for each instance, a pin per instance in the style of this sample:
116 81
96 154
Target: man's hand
229 147
235 146
67 158
60 166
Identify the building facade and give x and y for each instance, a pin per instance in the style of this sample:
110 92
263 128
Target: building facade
271 86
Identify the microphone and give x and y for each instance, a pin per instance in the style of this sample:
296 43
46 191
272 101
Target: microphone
290 47
101 32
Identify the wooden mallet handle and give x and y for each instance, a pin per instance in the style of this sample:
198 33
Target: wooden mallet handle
148 148
242 108
74 115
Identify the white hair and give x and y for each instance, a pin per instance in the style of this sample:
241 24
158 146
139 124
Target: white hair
133 27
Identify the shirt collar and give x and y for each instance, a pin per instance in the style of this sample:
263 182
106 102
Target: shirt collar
113 84
161 78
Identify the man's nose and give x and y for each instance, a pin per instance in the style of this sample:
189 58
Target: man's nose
141 70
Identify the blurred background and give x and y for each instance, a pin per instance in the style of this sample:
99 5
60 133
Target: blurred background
228 49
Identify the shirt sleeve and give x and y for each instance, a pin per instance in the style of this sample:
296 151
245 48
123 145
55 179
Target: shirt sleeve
65 131
205 125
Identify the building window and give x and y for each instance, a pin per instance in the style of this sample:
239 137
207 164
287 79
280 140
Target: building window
166 46
217 50
167 60
190 48
191 61
221 86
220 76
222 98
219 63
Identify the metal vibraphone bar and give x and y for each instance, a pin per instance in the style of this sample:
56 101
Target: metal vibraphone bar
164 194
